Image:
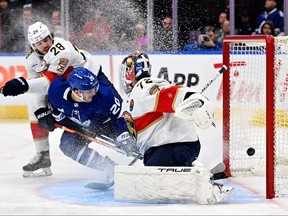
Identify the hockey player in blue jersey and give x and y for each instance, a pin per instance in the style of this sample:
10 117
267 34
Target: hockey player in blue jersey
84 103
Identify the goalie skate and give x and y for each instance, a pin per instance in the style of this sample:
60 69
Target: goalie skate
208 191
39 166
220 192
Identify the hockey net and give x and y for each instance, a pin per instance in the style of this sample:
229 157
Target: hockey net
255 109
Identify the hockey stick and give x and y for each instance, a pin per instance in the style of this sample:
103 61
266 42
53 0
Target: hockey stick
223 68
94 185
97 140
218 171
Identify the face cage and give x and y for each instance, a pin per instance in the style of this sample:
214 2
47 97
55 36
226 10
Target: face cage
127 77
34 47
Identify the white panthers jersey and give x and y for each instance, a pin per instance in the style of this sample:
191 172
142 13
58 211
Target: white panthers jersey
33 64
151 104
61 56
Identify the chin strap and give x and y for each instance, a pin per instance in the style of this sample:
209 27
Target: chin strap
80 98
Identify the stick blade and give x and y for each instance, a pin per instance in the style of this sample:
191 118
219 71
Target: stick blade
99 186
218 168
218 171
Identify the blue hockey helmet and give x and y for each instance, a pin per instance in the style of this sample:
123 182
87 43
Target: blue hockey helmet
82 79
133 68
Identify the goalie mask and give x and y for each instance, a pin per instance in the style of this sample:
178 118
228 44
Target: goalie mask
133 68
37 32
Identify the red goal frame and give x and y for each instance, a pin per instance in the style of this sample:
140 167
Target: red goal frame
270 104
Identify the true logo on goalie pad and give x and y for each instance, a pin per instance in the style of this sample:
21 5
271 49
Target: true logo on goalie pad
174 169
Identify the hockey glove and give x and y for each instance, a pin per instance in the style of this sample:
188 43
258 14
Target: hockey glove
45 118
198 109
15 87
127 142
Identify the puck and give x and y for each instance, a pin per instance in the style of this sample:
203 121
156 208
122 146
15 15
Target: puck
250 151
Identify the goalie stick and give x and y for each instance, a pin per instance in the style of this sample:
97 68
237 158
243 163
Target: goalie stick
222 70
217 171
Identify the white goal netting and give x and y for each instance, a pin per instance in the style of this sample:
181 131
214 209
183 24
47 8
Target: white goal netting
247 112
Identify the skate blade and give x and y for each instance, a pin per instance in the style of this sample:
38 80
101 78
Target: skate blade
37 173
226 193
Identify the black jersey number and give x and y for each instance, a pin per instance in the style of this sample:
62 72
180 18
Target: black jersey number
57 48
145 81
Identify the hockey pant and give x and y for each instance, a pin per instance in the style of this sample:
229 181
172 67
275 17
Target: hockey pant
173 154
76 147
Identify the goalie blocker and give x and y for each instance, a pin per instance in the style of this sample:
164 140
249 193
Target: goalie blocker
167 184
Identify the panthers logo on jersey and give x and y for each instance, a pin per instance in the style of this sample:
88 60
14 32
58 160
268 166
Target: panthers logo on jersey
154 89
62 64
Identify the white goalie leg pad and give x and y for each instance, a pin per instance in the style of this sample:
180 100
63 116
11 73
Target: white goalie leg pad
209 192
197 109
155 184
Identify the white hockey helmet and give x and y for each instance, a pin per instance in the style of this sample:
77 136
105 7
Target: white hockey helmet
37 32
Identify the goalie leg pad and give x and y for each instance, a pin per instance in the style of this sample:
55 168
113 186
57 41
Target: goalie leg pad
155 184
167 184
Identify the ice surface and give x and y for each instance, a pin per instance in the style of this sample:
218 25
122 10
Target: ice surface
63 192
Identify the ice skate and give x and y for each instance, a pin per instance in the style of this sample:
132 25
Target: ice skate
208 191
39 165
220 192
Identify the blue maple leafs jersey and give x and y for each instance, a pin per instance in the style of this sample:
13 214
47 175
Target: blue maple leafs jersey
104 107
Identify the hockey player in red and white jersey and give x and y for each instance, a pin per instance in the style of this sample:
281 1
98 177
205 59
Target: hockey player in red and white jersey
165 117
49 58
164 139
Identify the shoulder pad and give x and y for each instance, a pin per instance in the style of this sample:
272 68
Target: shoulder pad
28 54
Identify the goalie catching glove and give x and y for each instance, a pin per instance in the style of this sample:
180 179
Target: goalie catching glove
198 109
45 118
127 142
15 87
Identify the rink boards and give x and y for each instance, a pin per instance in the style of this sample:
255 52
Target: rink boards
192 70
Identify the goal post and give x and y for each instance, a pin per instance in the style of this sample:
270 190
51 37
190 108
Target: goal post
255 109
